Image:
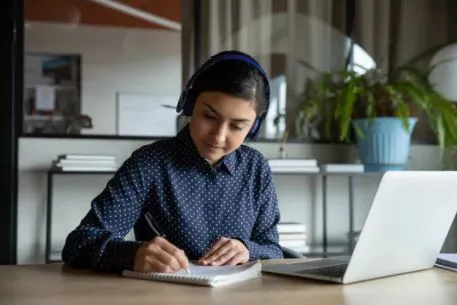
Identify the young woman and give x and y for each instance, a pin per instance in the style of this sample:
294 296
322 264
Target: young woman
212 197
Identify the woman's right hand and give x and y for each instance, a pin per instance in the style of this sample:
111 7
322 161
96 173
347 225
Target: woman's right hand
159 255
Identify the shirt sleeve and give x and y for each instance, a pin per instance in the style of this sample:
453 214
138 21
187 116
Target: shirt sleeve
98 241
264 241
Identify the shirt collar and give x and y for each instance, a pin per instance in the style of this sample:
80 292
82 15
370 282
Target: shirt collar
228 162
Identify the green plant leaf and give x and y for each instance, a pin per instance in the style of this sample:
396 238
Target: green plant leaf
340 96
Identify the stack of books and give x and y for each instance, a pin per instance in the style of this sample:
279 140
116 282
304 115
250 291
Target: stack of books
289 165
292 235
85 163
342 168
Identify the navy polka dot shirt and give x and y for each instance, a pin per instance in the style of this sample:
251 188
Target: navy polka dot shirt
192 202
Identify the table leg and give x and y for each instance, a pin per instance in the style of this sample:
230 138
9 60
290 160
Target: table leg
49 218
351 212
324 215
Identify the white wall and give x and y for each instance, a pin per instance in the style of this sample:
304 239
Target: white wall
72 194
113 60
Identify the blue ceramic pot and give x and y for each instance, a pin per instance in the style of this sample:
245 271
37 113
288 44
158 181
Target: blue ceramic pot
385 143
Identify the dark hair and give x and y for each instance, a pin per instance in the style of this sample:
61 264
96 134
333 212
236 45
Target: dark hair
236 78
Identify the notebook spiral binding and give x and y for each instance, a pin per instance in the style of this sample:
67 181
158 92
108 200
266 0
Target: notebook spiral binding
166 276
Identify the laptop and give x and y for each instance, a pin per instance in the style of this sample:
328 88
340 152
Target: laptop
408 221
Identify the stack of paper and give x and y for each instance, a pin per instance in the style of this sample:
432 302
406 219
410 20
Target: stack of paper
342 168
293 165
447 261
77 162
292 235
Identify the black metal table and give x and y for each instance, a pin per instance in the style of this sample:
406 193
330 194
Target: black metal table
51 173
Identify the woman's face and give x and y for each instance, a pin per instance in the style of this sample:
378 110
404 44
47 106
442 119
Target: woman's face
220 123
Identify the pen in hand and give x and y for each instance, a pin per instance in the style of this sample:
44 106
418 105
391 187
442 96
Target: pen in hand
154 227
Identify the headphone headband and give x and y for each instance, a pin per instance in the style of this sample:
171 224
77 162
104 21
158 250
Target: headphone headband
187 99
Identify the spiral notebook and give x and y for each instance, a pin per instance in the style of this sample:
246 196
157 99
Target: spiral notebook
213 276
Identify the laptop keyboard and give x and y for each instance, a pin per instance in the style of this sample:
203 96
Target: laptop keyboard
331 271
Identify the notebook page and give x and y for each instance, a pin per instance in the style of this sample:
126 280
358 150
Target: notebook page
213 271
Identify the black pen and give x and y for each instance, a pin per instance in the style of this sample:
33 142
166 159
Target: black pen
155 228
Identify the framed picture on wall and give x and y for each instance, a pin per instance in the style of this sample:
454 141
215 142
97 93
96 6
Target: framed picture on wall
52 93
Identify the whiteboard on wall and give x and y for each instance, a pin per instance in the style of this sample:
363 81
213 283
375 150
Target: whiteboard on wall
146 115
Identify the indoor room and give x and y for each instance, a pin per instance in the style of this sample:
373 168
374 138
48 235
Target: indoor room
359 130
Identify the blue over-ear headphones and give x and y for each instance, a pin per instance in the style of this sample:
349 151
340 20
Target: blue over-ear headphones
188 96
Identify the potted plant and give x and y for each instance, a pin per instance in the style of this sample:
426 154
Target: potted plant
378 111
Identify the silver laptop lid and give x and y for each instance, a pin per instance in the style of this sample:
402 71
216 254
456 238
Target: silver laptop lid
406 226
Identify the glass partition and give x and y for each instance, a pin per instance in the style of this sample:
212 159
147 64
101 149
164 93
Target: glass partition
101 68
116 68
413 34
298 40
293 40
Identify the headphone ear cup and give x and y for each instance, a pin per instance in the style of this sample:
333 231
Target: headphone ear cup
189 103
181 101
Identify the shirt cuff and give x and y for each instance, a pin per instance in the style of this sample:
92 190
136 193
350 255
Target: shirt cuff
117 256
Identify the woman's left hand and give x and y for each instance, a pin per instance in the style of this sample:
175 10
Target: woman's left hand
226 251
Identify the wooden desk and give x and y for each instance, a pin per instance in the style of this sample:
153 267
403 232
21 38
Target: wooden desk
53 284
